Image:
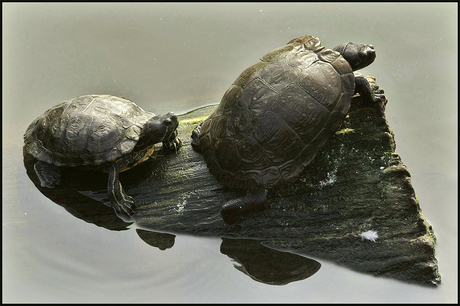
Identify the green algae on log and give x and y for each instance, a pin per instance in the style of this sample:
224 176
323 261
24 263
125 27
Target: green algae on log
354 204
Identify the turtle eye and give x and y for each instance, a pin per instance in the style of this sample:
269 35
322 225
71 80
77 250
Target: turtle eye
170 118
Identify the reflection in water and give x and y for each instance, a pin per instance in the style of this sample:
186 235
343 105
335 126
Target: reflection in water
71 195
162 241
260 263
267 265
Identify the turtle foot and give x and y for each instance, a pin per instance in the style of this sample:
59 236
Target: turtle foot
378 99
174 144
122 203
195 137
377 95
372 94
233 210
124 209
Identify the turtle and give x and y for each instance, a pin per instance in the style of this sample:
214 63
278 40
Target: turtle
98 132
277 115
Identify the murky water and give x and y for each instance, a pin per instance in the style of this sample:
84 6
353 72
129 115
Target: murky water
175 57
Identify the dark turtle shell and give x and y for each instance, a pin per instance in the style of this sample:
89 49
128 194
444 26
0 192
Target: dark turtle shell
277 114
86 130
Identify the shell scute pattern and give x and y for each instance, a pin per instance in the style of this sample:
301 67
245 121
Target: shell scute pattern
321 83
279 76
302 60
228 145
272 139
241 124
244 78
231 97
277 114
278 54
290 169
305 118
86 130
251 155
255 90
270 176
348 85
267 96
103 137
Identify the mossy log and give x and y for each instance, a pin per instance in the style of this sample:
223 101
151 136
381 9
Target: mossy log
356 184
354 204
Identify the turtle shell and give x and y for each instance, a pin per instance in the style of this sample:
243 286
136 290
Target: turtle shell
277 114
86 130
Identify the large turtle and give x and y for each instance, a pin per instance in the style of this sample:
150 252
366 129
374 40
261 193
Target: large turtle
278 113
99 132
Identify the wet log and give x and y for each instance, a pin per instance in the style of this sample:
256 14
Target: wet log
354 204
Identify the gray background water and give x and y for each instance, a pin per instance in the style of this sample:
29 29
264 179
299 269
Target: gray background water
174 57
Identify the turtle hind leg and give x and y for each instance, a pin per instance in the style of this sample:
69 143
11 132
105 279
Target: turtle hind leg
122 203
49 175
233 209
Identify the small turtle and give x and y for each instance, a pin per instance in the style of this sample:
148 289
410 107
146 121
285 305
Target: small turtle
99 132
278 113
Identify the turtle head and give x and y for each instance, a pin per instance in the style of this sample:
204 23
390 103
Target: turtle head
358 55
160 128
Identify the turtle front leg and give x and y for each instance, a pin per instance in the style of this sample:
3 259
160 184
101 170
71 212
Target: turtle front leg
254 200
370 93
196 137
174 143
122 203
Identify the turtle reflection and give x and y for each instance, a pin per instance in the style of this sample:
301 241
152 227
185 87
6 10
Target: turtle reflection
161 241
266 265
82 193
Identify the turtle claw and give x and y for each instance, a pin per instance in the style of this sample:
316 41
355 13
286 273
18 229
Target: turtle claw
176 144
125 209
173 145
378 94
372 94
378 99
